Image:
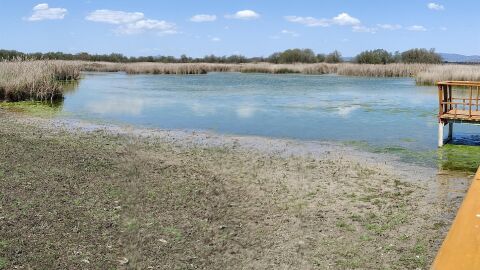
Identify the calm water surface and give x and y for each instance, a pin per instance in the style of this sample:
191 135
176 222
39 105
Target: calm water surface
392 115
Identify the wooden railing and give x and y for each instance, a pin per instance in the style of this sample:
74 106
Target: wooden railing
459 100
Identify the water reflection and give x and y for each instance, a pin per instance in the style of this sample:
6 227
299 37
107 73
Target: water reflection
117 106
201 109
346 111
245 111
69 86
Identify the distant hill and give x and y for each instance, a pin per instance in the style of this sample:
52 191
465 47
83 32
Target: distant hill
459 58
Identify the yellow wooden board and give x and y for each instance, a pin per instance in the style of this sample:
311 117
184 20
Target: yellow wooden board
461 248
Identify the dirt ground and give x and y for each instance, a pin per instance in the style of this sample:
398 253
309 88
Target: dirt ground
98 199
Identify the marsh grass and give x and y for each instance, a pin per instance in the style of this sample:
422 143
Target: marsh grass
35 80
424 74
42 80
437 73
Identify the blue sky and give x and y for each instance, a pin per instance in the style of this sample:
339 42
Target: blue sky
248 27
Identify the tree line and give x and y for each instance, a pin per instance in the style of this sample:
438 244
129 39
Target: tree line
381 56
289 56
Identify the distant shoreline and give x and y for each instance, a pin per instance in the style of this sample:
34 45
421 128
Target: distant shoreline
40 79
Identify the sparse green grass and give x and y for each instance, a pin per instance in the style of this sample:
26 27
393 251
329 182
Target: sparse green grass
344 225
415 257
173 232
3 244
3 263
68 197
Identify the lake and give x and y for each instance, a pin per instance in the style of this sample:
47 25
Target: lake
390 115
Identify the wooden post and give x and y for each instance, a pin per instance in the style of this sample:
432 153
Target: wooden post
440 100
440 134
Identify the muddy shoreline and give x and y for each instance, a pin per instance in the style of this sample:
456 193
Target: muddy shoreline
81 195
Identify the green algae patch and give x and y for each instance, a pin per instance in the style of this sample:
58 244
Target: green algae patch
459 157
450 157
408 140
33 108
424 158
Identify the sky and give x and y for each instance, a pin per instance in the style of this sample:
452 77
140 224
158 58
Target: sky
248 27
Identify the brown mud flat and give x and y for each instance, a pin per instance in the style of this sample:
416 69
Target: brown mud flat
78 198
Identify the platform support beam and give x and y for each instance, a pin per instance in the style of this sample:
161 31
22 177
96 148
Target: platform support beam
450 132
440 134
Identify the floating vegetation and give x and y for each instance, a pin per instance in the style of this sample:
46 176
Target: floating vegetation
449 157
459 157
34 108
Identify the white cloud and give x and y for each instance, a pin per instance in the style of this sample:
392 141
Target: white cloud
343 19
443 28
114 17
161 27
44 12
390 26
203 18
131 22
215 39
417 28
435 6
291 33
308 21
244 15
364 29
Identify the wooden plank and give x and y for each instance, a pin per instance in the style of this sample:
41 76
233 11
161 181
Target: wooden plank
461 248
459 83
462 115
463 112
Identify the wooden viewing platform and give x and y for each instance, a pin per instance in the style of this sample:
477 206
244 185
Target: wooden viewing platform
458 102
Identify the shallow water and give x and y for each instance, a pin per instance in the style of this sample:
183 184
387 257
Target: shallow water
382 115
